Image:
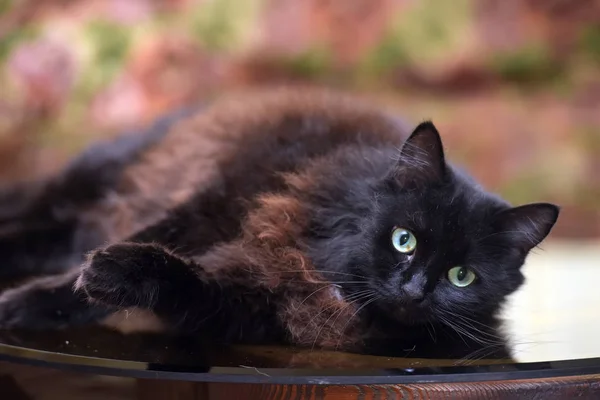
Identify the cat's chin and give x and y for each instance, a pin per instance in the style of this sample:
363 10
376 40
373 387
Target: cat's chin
406 315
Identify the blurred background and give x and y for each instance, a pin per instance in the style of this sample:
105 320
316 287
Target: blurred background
513 85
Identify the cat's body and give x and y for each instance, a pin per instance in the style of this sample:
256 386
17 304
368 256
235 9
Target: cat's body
268 218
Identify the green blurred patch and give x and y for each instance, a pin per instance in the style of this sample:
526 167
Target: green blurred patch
222 25
5 5
384 58
562 174
530 64
529 186
111 40
106 44
428 30
313 63
424 33
587 198
588 139
589 42
14 37
109 43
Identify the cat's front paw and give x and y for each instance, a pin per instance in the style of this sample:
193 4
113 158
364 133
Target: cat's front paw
15 312
46 303
125 275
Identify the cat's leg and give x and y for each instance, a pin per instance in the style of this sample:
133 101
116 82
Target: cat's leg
16 200
181 293
49 303
41 231
44 251
33 239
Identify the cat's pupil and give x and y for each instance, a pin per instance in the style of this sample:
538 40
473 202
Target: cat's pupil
462 273
404 239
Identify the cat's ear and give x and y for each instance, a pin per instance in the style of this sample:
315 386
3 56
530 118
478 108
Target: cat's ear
422 156
526 226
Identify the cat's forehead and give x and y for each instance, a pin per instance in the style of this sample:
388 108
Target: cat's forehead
459 206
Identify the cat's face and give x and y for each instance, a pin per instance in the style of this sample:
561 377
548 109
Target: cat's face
438 245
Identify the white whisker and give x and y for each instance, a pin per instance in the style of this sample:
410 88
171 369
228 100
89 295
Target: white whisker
352 317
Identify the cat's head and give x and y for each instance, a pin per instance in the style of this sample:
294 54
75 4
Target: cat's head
437 244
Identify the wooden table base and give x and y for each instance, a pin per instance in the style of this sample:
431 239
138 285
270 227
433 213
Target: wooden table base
576 387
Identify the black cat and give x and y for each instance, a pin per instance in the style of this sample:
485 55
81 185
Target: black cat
296 216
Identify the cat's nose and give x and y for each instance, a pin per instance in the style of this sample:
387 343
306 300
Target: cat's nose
414 294
416 299
414 289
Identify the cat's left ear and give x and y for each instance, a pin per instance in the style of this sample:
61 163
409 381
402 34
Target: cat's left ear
526 226
422 156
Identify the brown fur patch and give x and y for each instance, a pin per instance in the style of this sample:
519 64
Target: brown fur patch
201 152
269 255
197 149
324 320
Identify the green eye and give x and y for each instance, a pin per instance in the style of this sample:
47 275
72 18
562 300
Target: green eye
461 276
403 240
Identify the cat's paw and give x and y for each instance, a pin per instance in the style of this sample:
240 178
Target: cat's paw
45 303
125 275
15 312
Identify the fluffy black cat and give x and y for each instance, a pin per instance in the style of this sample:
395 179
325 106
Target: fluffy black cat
289 216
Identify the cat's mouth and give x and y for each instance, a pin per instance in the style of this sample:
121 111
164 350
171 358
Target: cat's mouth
406 314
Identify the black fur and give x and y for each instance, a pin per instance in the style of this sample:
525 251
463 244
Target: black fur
145 276
199 269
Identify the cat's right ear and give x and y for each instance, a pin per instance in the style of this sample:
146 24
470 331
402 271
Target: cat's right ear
421 158
528 225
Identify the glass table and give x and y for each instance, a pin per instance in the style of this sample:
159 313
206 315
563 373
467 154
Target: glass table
553 334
